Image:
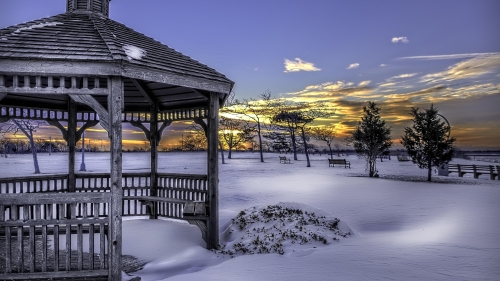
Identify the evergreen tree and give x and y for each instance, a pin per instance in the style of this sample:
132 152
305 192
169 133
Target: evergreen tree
428 142
371 138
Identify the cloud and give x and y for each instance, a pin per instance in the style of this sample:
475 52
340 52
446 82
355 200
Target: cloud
389 84
406 75
353 65
299 65
364 83
471 68
333 91
383 65
448 57
400 39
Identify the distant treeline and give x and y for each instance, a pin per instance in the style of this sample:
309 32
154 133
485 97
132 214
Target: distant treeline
22 146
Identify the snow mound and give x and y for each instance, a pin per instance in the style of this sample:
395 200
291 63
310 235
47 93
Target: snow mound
282 228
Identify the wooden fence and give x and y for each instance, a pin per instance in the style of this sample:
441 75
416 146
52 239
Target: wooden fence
44 236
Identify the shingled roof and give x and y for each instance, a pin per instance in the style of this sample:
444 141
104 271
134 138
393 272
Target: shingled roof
93 37
85 42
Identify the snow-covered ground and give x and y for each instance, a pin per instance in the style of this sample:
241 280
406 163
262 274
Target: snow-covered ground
402 227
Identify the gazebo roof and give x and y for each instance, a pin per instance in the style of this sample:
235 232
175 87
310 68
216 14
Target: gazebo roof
109 48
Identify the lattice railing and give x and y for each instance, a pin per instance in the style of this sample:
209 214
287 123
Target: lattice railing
183 114
171 115
27 84
18 112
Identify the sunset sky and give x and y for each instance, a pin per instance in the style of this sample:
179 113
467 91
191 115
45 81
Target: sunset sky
400 54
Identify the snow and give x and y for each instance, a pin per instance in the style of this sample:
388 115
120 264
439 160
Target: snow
33 26
133 52
40 25
404 228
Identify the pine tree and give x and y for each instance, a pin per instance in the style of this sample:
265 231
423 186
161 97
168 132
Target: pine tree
428 142
371 138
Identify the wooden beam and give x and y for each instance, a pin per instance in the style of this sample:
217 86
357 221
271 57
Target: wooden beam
163 76
149 96
95 105
213 171
202 123
59 68
163 126
78 134
61 128
71 137
153 142
52 91
139 125
85 126
115 107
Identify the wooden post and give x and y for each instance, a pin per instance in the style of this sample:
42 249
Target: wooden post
115 106
153 142
71 144
213 172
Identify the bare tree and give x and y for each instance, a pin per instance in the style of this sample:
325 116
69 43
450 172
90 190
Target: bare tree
337 147
326 134
234 132
3 146
258 111
295 119
201 126
194 142
27 127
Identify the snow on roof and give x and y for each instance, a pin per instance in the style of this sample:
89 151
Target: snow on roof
40 25
134 52
33 26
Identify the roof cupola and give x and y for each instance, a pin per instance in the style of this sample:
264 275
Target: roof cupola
88 6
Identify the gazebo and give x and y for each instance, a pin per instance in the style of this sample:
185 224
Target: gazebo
81 66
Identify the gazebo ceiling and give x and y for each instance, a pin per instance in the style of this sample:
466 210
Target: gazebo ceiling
85 43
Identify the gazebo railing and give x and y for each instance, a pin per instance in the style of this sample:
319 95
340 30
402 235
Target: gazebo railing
41 221
180 186
34 184
135 185
173 186
42 235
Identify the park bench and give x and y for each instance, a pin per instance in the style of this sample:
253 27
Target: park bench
192 209
476 170
403 158
332 162
284 160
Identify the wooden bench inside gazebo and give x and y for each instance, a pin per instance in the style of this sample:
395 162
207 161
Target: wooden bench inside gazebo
82 67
